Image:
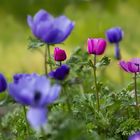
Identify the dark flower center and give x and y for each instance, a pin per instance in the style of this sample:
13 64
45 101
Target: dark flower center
137 66
37 96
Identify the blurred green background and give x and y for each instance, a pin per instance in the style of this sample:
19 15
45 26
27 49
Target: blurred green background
92 18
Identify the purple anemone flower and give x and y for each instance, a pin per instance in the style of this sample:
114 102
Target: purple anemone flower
135 136
3 83
114 35
132 66
35 91
60 73
49 29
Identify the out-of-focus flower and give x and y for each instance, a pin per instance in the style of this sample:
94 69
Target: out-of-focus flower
49 29
60 73
96 46
3 83
131 66
59 54
35 91
135 136
114 35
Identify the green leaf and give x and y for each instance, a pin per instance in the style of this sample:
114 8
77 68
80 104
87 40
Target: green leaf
35 43
103 62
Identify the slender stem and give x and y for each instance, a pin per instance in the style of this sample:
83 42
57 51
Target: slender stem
67 99
95 82
27 126
117 51
136 97
49 56
45 61
60 63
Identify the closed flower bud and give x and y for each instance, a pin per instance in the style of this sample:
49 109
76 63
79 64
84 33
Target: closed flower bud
60 73
114 35
59 54
3 83
96 46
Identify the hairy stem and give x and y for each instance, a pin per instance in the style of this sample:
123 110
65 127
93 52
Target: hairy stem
95 82
136 97
117 51
27 125
45 61
49 56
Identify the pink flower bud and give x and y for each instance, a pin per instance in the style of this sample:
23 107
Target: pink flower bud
59 54
96 46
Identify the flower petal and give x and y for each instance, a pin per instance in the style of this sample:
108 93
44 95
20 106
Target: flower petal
42 15
124 66
54 93
37 117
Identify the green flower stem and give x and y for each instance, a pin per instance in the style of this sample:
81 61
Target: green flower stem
49 56
67 99
136 97
95 82
45 61
121 77
27 125
60 63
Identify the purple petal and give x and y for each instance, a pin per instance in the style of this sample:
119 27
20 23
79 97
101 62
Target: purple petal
124 66
54 93
31 24
48 93
132 67
43 30
23 91
101 46
42 15
30 21
136 60
37 117
135 136
61 29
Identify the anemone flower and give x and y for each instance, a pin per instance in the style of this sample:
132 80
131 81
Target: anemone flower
49 29
36 92
96 46
132 66
60 73
115 35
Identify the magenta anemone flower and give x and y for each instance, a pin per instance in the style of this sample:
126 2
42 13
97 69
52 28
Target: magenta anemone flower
59 54
132 66
135 136
49 29
37 92
96 46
